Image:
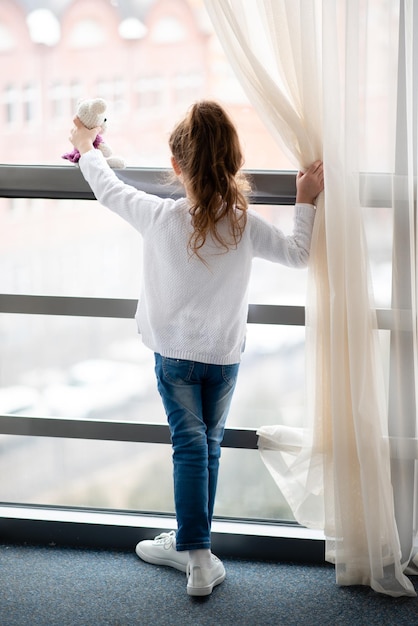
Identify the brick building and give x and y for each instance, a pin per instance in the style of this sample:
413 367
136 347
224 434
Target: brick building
148 59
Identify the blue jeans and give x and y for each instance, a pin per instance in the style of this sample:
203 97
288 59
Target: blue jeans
196 398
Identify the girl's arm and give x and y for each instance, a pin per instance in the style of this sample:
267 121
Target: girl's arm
136 207
269 242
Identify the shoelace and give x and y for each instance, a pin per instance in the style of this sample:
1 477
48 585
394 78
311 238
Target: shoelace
166 539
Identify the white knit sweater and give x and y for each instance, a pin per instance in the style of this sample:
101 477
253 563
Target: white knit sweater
188 309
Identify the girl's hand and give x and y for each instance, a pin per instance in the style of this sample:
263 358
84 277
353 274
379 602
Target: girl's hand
310 183
81 137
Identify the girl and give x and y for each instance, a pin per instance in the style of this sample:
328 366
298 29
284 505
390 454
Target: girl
193 306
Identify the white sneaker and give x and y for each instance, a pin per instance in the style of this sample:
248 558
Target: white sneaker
202 580
162 551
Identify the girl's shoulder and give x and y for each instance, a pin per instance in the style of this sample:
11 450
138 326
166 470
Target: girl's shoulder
254 218
171 210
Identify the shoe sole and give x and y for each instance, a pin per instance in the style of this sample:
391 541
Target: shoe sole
207 590
157 561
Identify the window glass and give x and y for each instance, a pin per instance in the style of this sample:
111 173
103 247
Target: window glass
378 223
65 247
126 476
78 248
93 368
98 368
150 60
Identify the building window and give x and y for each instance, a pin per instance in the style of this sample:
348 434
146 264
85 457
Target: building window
29 96
87 33
76 91
150 94
10 100
187 87
168 29
7 40
59 101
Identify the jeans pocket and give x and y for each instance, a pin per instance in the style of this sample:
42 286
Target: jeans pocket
230 373
177 371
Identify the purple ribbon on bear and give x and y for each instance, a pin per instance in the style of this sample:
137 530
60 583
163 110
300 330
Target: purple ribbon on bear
74 155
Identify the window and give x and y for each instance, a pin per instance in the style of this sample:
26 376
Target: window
29 102
58 100
87 33
171 60
150 95
96 368
75 92
7 41
43 27
168 29
10 99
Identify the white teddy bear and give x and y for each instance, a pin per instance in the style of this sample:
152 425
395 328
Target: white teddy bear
92 113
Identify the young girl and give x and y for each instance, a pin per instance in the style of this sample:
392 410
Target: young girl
193 306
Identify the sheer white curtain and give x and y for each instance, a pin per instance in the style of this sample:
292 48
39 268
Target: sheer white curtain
323 78
403 425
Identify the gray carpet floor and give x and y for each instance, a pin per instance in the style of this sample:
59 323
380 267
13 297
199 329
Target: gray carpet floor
51 586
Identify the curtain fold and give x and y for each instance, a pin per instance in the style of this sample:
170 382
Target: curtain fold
403 391
304 66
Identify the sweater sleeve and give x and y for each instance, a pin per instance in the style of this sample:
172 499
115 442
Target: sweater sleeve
270 243
138 208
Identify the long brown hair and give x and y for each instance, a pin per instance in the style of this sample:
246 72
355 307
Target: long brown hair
206 147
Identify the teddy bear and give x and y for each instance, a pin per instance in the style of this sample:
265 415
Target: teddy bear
92 113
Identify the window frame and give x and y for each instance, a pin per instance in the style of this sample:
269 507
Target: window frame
91 527
121 529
